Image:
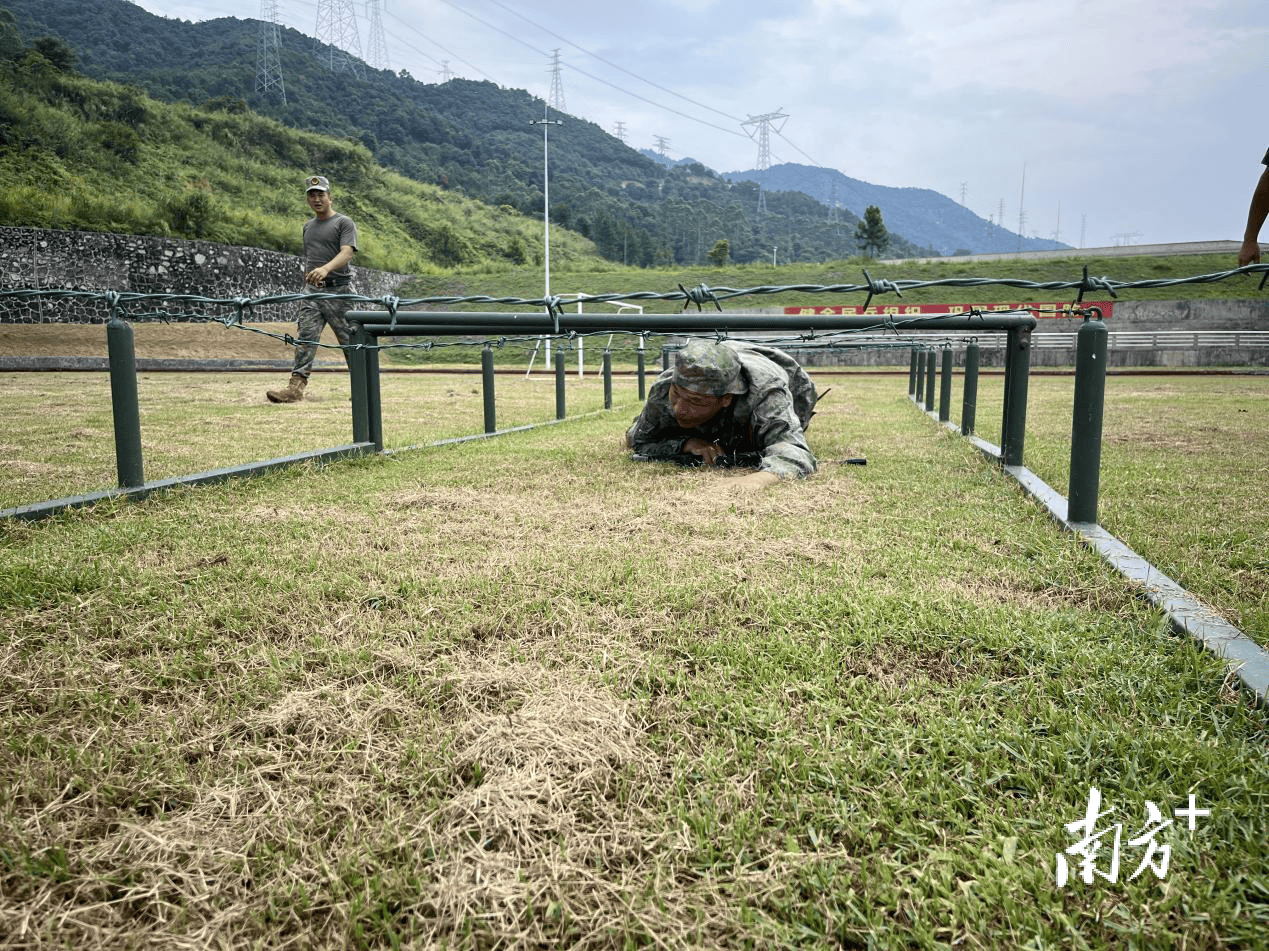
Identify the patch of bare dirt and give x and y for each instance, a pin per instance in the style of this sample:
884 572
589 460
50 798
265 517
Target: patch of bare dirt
158 341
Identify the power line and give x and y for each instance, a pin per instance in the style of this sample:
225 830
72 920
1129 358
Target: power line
606 62
798 150
634 95
665 108
444 65
397 39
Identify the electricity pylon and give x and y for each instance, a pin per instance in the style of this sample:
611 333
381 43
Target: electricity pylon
268 57
762 132
376 47
337 30
556 99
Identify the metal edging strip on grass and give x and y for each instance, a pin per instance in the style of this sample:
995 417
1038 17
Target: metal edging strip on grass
1186 614
40 510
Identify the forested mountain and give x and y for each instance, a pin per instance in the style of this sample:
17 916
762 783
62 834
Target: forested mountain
921 214
469 137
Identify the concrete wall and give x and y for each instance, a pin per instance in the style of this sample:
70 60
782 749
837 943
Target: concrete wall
1127 316
1190 314
32 258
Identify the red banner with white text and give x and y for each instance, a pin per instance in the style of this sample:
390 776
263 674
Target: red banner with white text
1053 309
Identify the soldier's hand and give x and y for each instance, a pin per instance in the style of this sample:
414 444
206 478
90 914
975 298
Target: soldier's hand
708 451
316 277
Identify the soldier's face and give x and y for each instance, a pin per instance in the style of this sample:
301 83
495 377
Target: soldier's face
695 409
319 201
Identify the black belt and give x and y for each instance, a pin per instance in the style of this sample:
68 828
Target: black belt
332 282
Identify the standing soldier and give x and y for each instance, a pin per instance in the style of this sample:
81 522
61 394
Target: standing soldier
330 241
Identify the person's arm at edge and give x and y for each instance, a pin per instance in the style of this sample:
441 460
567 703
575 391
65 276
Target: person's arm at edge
1256 214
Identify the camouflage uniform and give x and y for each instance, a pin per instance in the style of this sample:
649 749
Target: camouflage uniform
322 241
773 401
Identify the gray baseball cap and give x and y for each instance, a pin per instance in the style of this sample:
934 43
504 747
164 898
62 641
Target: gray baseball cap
711 369
315 183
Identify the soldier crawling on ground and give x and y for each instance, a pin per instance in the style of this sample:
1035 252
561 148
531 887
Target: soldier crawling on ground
730 403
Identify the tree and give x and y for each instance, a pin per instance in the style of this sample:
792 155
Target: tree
871 233
10 41
57 52
718 254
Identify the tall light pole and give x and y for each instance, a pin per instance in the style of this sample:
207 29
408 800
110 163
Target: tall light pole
544 122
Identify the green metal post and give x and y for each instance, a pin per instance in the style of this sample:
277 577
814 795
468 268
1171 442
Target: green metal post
912 375
1086 421
969 403
929 380
125 404
374 394
1017 377
559 383
487 384
945 386
607 378
359 377
665 358
643 391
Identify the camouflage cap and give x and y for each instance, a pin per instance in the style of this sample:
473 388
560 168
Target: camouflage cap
711 369
316 183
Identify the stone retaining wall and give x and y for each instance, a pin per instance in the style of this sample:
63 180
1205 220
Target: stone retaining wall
32 258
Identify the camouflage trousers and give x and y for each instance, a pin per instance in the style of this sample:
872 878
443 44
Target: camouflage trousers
314 314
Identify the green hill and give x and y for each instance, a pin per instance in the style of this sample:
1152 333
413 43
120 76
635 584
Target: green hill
469 138
82 154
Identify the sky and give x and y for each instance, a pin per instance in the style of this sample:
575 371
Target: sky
1094 122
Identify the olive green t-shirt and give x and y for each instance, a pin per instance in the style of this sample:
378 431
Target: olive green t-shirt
324 238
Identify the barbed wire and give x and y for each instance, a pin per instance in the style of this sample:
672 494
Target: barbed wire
194 308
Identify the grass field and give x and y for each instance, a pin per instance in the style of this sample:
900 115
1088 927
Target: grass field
601 277
1184 458
1185 463
526 693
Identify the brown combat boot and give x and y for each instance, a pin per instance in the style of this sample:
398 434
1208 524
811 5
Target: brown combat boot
292 393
